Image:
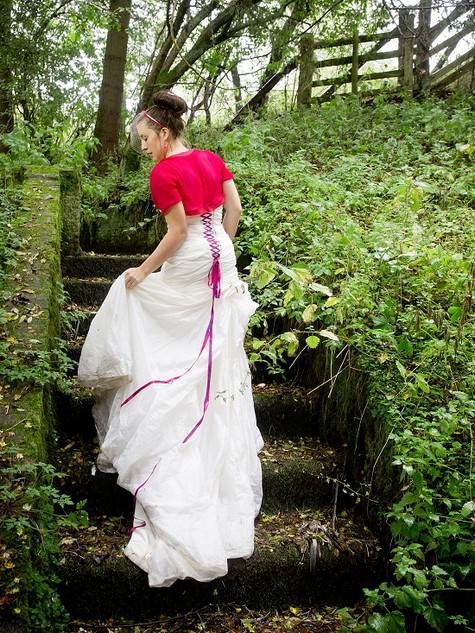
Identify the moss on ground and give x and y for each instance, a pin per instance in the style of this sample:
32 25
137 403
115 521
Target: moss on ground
31 305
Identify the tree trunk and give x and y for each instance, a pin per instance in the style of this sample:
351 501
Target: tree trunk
163 73
237 87
195 104
276 57
260 97
172 44
271 77
108 123
6 98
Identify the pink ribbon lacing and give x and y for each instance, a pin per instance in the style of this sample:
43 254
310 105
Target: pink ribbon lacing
214 282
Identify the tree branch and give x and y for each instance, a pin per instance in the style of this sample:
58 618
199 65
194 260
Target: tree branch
161 62
44 25
189 27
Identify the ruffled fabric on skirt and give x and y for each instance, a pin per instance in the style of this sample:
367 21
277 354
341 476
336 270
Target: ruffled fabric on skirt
195 500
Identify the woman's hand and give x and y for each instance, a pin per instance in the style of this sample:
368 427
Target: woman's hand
133 276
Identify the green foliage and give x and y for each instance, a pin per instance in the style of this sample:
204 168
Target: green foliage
358 226
359 223
104 194
34 366
9 240
54 59
32 510
30 144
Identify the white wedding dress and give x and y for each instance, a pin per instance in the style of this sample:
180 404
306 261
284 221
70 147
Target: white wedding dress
197 479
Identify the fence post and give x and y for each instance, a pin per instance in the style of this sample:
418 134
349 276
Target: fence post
354 63
406 45
306 68
70 201
423 42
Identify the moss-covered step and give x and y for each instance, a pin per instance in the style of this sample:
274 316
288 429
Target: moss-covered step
299 558
87 292
282 410
74 350
76 323
111 266
222 619
99 265
296 473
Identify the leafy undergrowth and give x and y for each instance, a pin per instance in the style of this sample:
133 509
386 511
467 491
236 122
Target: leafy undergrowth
31 507
227 619
359 230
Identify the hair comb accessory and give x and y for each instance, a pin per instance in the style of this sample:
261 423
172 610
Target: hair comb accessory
146 114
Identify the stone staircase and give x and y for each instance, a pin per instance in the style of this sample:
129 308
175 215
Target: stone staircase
311 549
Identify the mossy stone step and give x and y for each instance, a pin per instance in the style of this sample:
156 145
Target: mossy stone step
87 292
222 619
111 266
299 559
99 265
300 473
282 411
79 320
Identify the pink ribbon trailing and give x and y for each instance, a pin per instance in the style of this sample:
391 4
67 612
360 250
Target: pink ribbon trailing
214 282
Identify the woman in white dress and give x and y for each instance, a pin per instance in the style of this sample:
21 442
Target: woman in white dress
173 409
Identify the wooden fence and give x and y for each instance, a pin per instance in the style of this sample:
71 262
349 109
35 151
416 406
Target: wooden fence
413 53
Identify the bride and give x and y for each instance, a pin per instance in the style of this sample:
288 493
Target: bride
173 403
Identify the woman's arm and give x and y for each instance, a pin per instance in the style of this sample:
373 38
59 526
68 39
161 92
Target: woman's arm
173 239
232 206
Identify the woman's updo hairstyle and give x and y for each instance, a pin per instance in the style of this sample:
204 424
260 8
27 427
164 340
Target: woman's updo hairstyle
168 108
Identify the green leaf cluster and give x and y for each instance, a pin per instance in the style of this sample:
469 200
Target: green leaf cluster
358 229
32 508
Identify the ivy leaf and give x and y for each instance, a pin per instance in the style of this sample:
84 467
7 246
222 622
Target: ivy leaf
422 384
292 340
331 301
401 369
257 343
435 617
309 313
294 291
325 290
396 623
468 508
312 341
377 622
328 334
290 273
438 571
455 312
264 278
262 273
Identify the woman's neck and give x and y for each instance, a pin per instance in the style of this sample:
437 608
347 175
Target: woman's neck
176 148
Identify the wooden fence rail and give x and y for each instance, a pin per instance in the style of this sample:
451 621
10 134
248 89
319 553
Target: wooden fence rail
415 48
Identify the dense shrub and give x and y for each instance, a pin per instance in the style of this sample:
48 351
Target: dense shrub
359 221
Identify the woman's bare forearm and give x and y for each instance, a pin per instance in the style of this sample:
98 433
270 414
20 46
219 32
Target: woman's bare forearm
232 206
231 221
170 243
